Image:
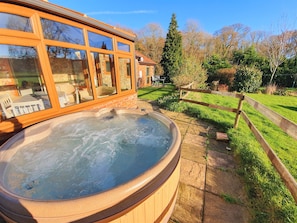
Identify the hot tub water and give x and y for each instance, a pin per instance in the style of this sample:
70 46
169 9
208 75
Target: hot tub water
87 156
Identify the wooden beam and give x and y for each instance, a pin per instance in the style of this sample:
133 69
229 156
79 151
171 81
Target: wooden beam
277 163
234 110
286 125
239 108
222 93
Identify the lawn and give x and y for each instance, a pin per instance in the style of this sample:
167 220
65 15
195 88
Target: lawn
285 146
284 105
153 93
269 197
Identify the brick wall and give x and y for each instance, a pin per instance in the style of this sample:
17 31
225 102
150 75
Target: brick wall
129 101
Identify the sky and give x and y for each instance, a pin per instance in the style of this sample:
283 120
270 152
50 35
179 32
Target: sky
210 15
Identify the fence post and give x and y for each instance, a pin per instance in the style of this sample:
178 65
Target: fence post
238 111
180 93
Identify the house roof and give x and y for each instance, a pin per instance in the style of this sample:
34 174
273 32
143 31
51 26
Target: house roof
144 60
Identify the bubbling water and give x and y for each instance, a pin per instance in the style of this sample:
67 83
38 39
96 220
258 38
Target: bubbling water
87 156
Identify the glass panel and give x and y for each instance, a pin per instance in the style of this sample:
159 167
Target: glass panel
71 75
123 47
100 41
61 32
22 89
15 22
125 73
105 80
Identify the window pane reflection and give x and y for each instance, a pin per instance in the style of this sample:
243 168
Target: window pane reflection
62 32
15 22
105 81
100 41
125 73
71 75
123 47
22 88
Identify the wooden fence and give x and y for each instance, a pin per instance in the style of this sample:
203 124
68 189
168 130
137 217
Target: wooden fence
286 125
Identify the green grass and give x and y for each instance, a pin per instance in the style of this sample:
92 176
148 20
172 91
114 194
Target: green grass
230 199
285 146
153 93
269 197
284 105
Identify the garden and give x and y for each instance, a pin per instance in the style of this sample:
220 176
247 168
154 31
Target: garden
230 61
269 197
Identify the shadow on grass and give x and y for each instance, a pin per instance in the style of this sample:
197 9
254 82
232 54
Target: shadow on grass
289 107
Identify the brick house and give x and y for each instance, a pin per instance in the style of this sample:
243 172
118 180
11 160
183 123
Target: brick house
144 70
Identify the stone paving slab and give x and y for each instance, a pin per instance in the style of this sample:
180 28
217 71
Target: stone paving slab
226 182
219 146
183 127
195 153
189 205
193 174
195 139
216 210
184 118
220 160
197 129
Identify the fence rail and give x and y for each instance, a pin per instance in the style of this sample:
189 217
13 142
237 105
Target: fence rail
287 126
229 94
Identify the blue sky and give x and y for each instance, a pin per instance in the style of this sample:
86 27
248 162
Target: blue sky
211 15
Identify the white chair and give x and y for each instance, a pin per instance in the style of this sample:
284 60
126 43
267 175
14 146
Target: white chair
162 79
155 80
69 90
27 91
11 109
22 108
6 106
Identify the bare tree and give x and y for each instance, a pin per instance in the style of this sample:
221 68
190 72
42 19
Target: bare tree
256 37
277 50
293 44
277 47
195 41
230 38
150 41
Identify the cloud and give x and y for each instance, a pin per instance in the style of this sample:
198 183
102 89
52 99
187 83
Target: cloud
121 13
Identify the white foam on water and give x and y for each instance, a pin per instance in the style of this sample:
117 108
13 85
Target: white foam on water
87 156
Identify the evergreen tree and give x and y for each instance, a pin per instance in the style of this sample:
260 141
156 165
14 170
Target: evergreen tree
172 51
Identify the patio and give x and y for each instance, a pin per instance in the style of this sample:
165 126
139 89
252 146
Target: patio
208 173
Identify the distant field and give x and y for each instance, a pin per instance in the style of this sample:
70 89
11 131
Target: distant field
284 105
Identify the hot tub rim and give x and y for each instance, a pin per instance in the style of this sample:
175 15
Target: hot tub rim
140 181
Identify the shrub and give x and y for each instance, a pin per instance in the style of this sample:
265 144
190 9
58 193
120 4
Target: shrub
270 89
247 79
190 71
226 75
171 103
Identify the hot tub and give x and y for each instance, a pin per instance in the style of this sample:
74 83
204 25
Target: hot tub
144 191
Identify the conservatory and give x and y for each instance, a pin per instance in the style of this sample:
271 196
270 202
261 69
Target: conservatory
55 61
